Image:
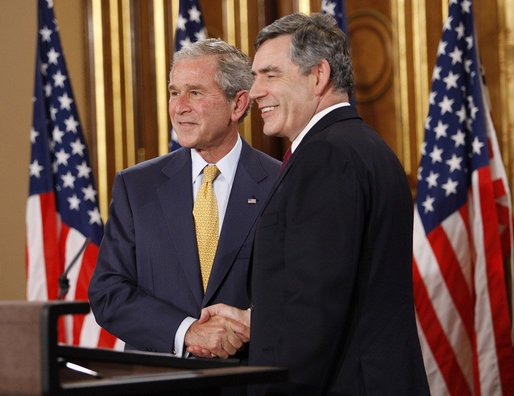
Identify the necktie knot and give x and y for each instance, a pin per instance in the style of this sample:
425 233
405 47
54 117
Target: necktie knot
209 173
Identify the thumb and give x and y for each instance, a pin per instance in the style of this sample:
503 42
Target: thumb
205 315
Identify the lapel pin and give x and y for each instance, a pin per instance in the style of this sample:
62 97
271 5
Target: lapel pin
252 200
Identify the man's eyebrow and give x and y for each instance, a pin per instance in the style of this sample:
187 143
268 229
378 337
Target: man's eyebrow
267 69
187 87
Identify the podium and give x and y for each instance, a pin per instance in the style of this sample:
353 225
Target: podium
33 363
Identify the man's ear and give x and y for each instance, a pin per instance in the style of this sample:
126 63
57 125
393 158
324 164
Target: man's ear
240 102
322 73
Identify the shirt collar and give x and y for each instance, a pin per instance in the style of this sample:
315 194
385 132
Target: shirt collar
318 116
227 165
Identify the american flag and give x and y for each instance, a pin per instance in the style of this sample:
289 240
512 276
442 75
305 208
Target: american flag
190 28
62 208
337 9
462 227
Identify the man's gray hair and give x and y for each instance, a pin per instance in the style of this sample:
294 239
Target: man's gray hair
234 67
314 38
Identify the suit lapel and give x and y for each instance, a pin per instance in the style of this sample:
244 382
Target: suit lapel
176 200
339 114
239 216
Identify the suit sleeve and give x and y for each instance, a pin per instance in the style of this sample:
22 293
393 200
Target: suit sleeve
119 303
325 216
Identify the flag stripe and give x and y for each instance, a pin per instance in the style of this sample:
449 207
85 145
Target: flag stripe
36 274
452 274
442 350
484 326
438 384
50 245
496 287
436 299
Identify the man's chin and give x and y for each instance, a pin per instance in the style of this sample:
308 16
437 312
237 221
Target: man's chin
186 143
272 133
268 130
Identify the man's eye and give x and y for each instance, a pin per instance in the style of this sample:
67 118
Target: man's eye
173 93
195 93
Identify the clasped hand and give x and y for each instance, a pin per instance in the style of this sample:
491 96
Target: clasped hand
221 331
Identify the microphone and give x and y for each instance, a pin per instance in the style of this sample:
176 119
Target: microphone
64 283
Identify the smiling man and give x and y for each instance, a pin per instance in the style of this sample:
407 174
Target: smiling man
331 267
181 226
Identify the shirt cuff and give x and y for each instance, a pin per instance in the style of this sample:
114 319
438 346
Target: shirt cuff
180 335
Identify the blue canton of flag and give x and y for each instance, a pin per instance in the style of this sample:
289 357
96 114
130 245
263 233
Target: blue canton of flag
455 132
337 9
190 28
59 159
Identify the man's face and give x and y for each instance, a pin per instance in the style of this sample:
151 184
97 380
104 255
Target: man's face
284 94
199 111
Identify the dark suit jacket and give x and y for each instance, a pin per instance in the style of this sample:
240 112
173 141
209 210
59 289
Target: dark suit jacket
147 278
332 268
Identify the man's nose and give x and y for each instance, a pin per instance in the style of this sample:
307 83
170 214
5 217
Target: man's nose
182 104
257 90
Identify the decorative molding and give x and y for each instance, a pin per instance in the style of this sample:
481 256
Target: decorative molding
401 91
372 28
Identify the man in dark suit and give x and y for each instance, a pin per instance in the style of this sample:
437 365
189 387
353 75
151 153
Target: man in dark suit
331 282
148 288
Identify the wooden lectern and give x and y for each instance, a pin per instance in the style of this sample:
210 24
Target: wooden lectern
33 363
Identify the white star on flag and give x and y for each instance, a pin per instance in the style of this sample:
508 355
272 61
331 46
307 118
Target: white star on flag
94 216
62 157
33 135
59 79
89 193
45 33
65 102
74 202
35 169
83 170
68 180
71 124
77 147
53 56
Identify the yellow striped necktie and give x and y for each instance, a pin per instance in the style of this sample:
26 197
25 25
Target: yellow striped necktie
205 213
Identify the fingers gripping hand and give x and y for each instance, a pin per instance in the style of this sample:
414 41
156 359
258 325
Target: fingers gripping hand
239 315
214 337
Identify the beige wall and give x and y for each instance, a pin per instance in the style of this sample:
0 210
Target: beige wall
18 29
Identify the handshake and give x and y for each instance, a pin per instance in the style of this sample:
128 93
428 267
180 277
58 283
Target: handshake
221 331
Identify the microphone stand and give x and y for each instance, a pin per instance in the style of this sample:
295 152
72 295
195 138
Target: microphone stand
64 283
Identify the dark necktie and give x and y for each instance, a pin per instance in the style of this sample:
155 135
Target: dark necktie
287 155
